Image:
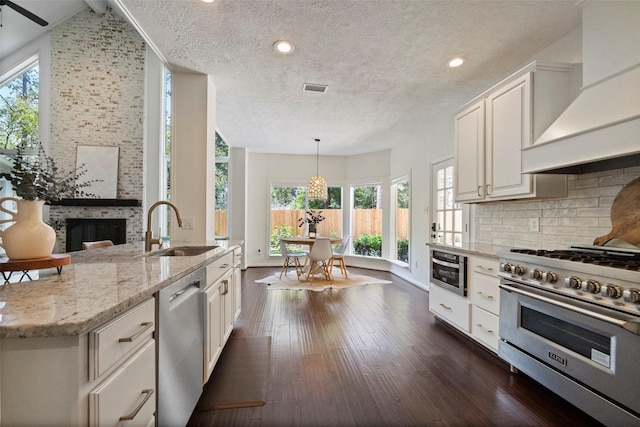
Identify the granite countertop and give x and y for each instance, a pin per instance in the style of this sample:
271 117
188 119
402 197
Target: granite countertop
98 285
473 248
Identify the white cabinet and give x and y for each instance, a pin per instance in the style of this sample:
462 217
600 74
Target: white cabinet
491 131
128 394
453 308
90 379
485 297
476 315
220 309
237 282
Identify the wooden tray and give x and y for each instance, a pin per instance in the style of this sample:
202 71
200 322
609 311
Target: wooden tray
24 265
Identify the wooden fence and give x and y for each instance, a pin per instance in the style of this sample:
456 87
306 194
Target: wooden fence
365 221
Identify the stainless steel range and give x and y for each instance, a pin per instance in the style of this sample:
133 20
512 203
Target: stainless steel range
570 319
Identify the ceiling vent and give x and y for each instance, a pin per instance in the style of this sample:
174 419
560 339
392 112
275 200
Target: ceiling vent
309 87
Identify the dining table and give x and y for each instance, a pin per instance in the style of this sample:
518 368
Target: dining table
308 241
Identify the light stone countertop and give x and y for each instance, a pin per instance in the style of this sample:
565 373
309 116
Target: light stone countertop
472 248
98 285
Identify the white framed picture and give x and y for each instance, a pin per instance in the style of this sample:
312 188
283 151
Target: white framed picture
101 165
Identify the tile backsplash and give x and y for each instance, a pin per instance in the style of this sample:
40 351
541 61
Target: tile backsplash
579 218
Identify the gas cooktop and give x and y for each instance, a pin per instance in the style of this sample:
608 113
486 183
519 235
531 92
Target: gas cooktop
605 257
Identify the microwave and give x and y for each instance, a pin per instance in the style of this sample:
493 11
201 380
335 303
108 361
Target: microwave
449 271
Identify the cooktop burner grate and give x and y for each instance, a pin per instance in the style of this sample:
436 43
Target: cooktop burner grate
627 261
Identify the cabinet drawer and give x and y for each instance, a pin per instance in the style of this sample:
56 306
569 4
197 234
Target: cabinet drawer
485 292
451 307
485 327
218 267
485 266
127 397
119 337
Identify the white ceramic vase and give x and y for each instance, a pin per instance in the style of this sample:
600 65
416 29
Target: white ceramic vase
29 237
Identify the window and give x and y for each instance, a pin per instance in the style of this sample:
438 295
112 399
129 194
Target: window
19 95
447 226
222 187
165 168
401 218
367 220
289 204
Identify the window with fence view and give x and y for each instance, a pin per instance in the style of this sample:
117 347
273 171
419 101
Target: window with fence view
288 210
367 220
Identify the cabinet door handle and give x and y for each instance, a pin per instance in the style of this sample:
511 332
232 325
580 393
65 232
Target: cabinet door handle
488 189
144 327
225 288
484 295
445 307
489 331
147 392
479 190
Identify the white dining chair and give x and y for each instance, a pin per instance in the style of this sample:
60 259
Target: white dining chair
338 256
291 259
319 257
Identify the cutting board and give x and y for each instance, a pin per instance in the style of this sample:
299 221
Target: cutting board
625 216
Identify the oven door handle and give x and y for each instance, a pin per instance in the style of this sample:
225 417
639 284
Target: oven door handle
630 325
446 264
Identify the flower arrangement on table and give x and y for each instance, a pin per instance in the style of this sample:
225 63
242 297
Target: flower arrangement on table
312 218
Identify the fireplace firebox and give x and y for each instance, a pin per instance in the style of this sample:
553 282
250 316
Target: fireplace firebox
90 229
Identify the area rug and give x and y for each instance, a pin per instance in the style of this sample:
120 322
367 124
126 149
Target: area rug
240 377
290 281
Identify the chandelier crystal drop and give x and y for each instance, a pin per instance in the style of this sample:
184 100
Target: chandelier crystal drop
317 186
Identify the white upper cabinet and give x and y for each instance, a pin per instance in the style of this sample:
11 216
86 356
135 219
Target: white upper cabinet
491 131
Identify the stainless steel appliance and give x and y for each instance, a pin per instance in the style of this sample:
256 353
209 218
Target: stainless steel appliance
180 349
449 271
570 319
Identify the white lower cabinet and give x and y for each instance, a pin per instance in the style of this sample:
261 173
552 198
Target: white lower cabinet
128 395
477 314
452 307
237 283
220 310
95 378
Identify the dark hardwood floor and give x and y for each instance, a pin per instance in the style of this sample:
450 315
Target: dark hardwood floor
375 356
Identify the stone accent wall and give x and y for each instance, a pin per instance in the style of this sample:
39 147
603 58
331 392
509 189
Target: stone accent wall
579 218
97 81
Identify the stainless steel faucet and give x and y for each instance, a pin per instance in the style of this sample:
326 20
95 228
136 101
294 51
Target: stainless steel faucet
148 235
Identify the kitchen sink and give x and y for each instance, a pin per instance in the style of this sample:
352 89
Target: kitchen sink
183 251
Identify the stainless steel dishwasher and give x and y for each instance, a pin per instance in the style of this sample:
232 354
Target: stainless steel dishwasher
180 348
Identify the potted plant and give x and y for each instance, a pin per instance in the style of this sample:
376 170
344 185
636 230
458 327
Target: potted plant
313 219
35 181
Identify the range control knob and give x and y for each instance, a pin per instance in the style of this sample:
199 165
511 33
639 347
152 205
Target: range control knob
506 267
631 295
593 286
573 282
537 274
519 270
611 291
552 277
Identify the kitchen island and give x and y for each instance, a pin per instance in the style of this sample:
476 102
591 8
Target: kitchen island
53 366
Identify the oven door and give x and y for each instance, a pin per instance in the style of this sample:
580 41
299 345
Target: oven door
448 272
595 346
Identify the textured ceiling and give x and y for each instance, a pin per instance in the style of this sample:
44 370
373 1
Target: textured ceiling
384 62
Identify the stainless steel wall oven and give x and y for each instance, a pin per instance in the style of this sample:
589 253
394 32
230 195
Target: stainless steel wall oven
449 271
575 327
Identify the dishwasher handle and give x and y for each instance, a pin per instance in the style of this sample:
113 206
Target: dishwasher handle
182 291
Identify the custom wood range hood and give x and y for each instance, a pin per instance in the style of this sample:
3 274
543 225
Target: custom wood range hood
600 130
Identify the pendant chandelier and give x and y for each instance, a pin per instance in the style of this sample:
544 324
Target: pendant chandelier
317 187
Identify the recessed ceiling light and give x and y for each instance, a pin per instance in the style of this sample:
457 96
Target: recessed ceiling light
284 47
208 1
456 62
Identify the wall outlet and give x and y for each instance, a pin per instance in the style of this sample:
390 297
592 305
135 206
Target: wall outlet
188 222
534 225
